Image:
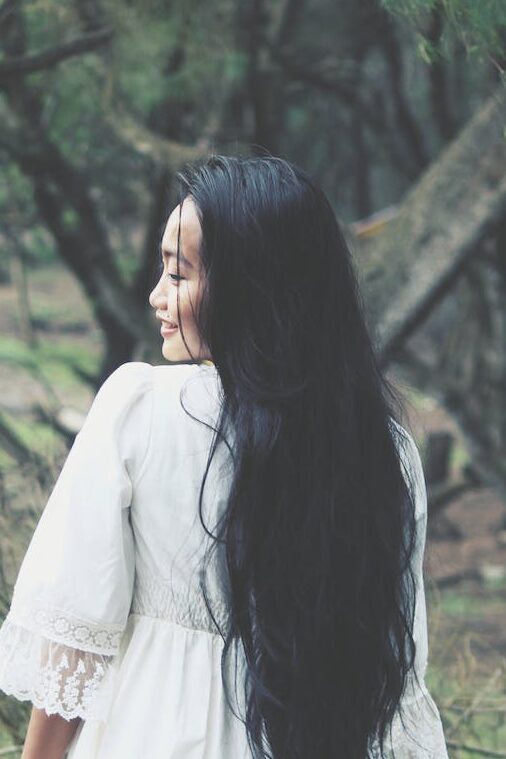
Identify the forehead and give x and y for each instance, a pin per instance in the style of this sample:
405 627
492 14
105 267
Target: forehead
190 234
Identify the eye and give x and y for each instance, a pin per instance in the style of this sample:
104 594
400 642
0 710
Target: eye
174 277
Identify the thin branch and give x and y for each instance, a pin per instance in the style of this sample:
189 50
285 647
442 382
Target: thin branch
442 496
170 153
475 702
405 119
27 64
370 105
290 13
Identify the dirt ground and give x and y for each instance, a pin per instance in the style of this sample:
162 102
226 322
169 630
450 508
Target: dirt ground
465 567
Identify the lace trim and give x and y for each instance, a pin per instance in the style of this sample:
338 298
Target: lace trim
153 597
418 732
64 627
54 677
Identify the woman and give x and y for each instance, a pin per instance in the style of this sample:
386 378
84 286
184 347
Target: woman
230 564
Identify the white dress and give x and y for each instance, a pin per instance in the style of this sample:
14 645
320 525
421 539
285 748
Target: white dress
107 621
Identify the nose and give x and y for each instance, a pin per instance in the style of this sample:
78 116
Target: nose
157 297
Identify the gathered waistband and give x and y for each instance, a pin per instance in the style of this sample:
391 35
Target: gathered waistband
153 597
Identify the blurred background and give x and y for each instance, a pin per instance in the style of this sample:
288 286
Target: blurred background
398 109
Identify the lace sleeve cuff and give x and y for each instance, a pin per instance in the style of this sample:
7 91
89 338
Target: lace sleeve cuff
54 676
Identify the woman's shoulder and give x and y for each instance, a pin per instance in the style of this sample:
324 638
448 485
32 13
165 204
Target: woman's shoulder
132 374
181 388
403 437
125 387
179 371
194 377
412 463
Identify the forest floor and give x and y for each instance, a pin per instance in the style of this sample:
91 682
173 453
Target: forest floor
466 543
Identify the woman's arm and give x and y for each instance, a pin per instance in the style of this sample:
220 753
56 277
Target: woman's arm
48 736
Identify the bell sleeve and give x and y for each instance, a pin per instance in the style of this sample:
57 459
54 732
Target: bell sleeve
416 729
73 592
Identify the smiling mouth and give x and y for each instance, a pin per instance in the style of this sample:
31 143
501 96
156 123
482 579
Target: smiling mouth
166 330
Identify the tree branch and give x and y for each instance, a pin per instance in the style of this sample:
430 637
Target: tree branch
27 64
454 206
370 106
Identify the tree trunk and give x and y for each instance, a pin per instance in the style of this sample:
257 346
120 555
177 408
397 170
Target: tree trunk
446 228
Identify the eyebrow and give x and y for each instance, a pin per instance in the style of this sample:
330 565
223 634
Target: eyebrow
172 254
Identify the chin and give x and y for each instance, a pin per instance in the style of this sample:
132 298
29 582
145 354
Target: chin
167 353
173 354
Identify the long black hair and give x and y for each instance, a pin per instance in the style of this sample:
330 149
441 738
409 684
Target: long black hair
319 528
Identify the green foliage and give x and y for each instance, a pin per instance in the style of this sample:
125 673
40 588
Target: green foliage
52 364
47 22
42 247
427 51
127 264
142 45
35 436
235 65
70 218
5 464
16 206
465 675
74 104
55 359
169 55
480 25
460 457
463 605
70 89
6 739
15 189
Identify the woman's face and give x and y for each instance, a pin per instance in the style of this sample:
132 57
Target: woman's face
163 297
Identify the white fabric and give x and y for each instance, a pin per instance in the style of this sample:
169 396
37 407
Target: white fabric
55 677
107 621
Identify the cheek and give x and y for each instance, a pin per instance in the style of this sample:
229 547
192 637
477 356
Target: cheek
187 303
